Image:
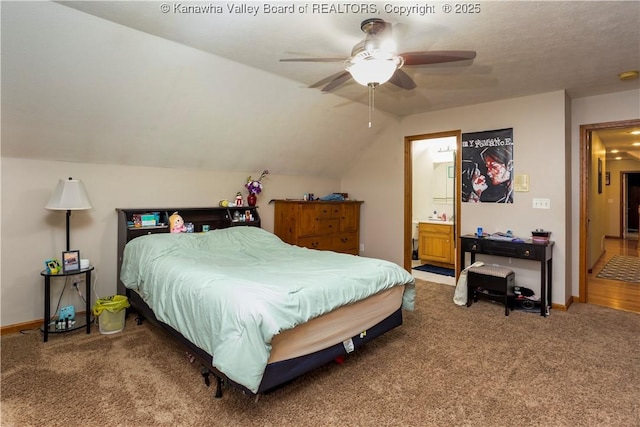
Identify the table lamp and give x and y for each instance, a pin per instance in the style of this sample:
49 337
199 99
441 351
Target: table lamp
69 195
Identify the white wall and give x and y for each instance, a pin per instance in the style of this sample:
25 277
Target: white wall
597 227
539 136
31 234
76 87
377 178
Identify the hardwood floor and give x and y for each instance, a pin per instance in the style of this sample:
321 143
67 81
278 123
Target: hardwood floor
614 293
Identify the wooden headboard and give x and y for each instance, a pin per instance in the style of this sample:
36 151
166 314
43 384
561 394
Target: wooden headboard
215 218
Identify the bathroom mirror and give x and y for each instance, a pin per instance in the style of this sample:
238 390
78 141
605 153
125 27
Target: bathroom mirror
443 183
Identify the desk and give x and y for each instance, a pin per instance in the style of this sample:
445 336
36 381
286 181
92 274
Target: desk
47 303
541 252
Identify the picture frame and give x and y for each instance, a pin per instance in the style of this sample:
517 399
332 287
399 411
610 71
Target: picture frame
52 266
607 178
70 261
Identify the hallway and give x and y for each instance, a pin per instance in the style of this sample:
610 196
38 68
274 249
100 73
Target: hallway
614 293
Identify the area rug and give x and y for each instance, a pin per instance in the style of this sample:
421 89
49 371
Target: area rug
435 270
622 267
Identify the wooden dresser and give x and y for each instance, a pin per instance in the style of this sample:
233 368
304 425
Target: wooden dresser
333 226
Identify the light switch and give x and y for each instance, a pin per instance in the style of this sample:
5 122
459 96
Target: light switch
542 203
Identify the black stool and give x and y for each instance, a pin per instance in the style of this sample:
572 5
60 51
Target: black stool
490 282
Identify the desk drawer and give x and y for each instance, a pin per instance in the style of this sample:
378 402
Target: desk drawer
489 247
530 252
471 245
496 247
499 248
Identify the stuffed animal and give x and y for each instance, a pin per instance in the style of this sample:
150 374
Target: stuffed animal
176 223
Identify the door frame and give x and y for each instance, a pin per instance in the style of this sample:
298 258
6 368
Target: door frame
585 152
408 192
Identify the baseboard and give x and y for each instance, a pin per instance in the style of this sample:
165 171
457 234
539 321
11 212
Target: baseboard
562 307
33 324
13 329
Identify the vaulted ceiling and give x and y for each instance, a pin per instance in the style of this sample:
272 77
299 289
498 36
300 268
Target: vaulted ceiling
200 84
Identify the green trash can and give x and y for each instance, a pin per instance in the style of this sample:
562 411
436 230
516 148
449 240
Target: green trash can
111 312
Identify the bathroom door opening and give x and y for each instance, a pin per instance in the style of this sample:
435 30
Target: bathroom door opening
448 158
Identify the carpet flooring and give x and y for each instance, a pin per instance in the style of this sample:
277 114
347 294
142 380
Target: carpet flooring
436 270
622 267
445 366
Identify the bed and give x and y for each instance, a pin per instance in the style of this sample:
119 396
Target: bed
254 311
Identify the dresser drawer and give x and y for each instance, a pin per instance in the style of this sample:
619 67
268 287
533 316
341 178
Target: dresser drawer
315 242
327 226
345 242
327 210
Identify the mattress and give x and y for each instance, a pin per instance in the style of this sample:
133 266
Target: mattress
336 326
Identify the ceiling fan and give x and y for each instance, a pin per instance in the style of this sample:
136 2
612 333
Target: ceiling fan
374 61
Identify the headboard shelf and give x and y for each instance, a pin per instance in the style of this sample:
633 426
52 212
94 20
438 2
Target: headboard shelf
214 217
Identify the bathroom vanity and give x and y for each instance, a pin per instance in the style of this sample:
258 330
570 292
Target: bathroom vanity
436 243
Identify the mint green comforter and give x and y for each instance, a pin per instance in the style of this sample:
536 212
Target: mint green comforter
231 291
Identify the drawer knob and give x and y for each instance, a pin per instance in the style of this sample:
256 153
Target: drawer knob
474 247
526 253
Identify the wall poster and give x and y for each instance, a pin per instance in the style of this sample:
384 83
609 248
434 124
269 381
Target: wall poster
487 166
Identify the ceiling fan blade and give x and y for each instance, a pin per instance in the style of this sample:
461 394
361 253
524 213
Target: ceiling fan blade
402 79
313 60
326 80
340 79
437 57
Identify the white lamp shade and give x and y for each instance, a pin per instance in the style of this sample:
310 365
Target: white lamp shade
374 71
69 195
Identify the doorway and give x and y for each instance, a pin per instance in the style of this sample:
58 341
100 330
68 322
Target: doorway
410 143
600 209
631 199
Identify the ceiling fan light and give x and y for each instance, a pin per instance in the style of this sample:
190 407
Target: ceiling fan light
373 71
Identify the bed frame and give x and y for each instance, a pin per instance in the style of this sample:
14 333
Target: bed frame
276 374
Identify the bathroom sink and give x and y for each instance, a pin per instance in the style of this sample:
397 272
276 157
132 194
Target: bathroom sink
438 221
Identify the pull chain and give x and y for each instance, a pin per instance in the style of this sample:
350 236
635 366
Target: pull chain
372 88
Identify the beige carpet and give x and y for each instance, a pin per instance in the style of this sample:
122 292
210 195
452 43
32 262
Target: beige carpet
446 366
